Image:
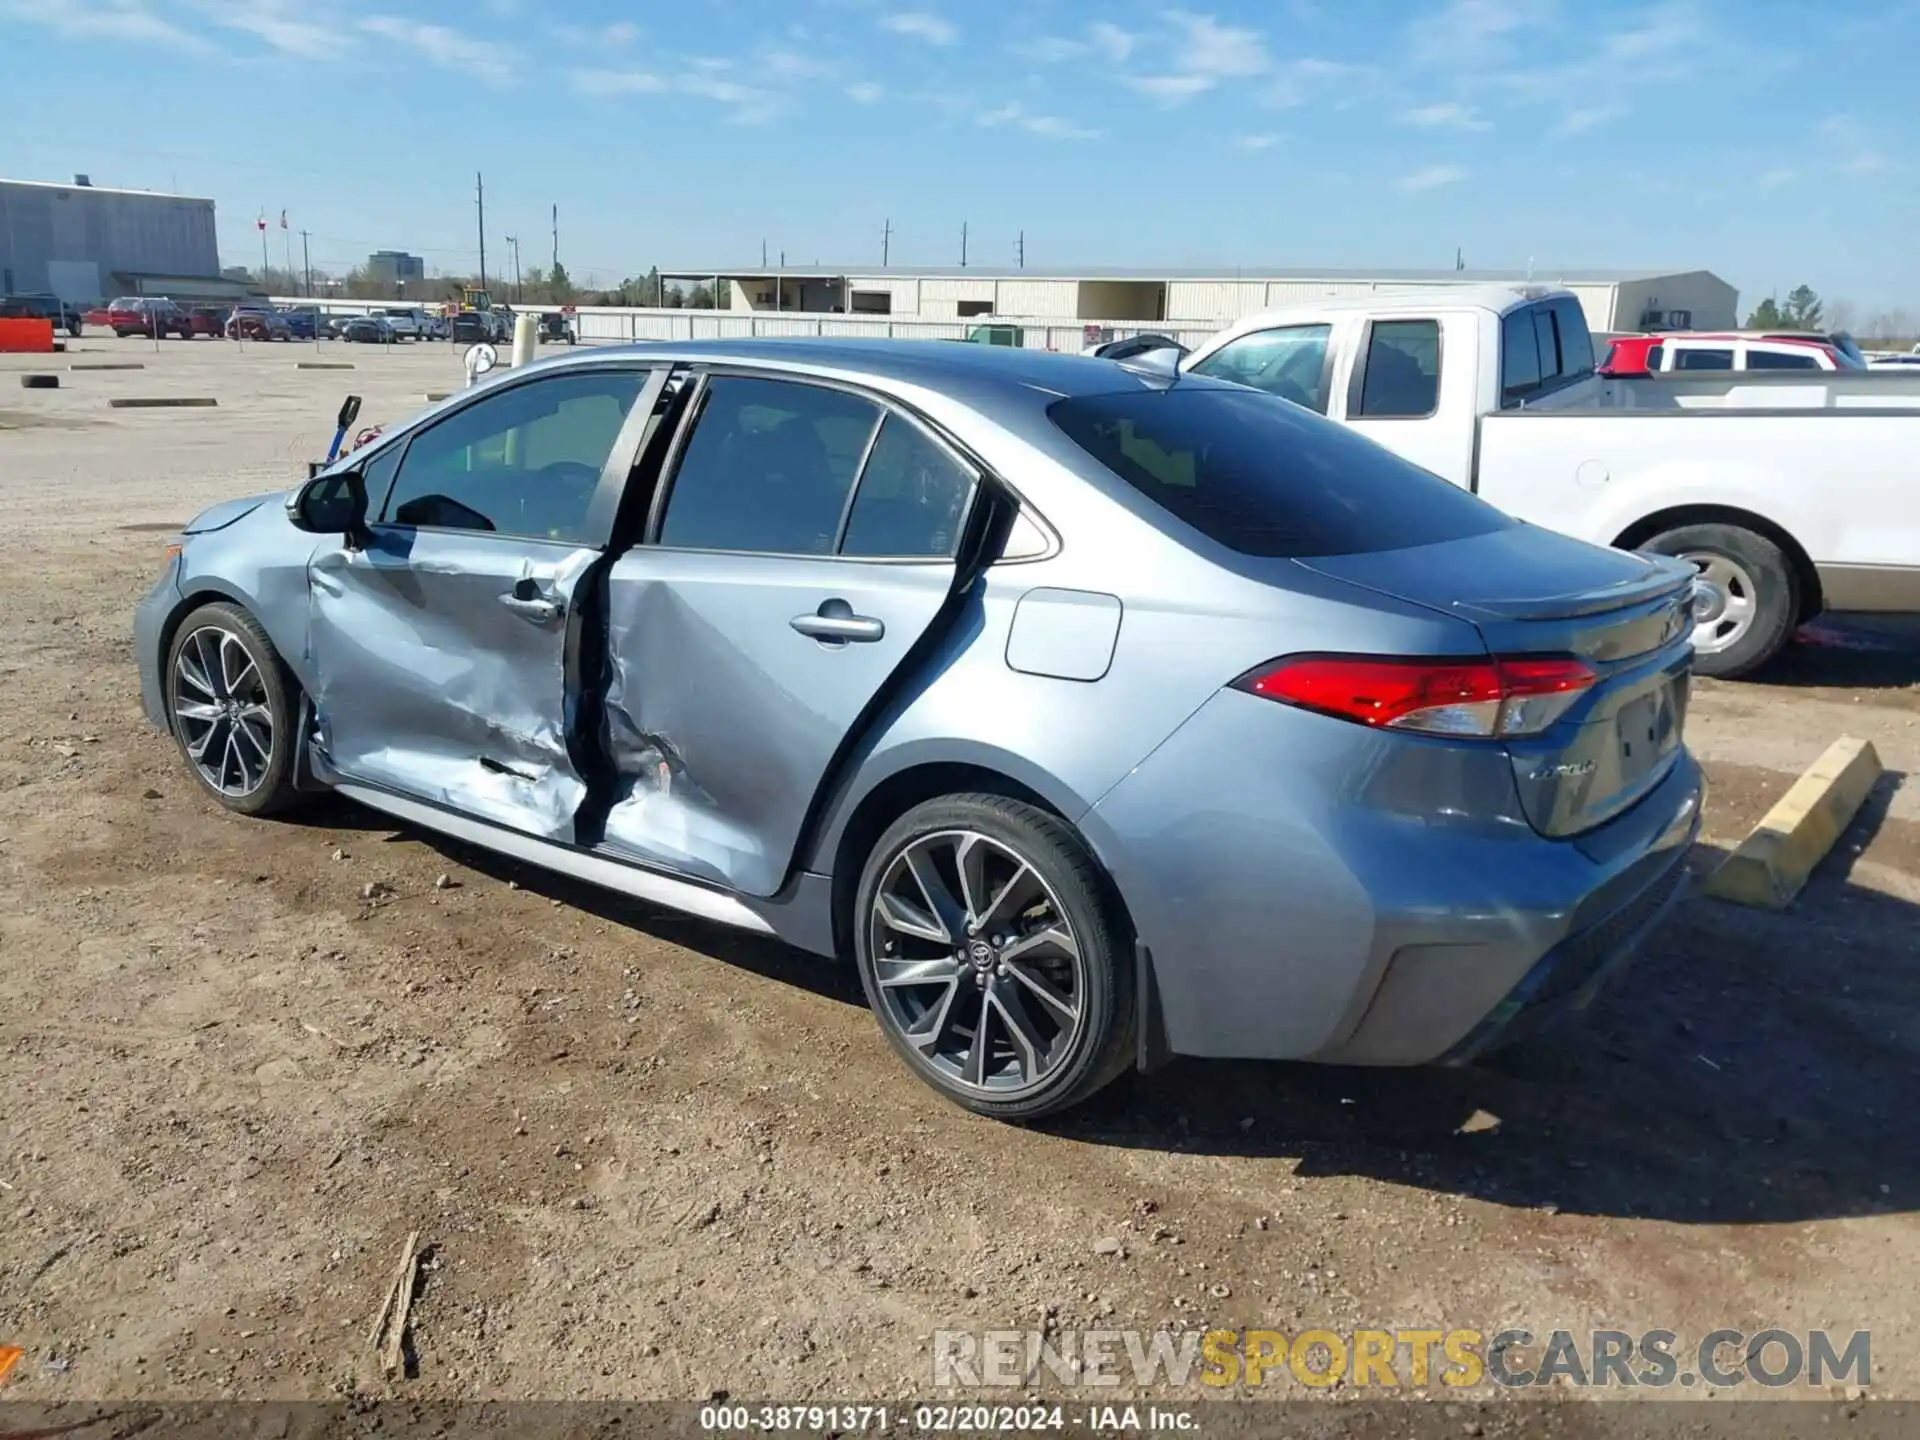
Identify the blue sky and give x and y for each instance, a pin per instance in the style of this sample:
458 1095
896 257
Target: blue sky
1769 140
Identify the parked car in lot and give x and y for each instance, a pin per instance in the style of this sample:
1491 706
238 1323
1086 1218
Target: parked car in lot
1661 354
408 322
154 318
209 319
368 330
303 321
469 327
556 327
1789 493
1093 716
257 322
1892 362
50 308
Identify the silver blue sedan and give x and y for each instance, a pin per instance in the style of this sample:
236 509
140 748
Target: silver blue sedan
1097 715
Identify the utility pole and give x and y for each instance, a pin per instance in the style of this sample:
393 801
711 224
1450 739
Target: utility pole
306 261
963 244
886 243
1020 250
763 254
556 235
480 202
514 242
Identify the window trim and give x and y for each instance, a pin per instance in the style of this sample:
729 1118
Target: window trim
977 473
1325 382
1357 382
601 510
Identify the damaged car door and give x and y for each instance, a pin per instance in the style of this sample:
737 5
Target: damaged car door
802 543
446 638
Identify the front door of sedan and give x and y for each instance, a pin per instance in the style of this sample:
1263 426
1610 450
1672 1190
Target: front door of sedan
802 547
445 650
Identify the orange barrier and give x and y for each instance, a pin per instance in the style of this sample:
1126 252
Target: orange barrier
26 337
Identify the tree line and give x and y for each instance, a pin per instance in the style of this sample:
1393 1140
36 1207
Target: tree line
1803 309
537 285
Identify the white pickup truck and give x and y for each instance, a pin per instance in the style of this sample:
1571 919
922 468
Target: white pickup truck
1791 492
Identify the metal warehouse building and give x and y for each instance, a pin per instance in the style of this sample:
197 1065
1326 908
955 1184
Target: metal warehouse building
87 243
1614 300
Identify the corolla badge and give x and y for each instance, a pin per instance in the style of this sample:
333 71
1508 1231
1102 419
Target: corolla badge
1572 770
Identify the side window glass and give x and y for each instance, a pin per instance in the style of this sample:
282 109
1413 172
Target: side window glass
1703 359
525 461
911 497
768 467
1402 378
378 474
1549 342
1576 340
1779 360
1519 357
1289 362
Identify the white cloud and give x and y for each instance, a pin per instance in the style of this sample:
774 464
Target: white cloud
1307 79
1171 89
920 25
445 47
1111 41
616 36
865 93
278 24
1257 142
1867 162
1432 178
750 104
1591 117
121 20
608 84
1777 177
1446 116
1051 127
1107 42
1222 51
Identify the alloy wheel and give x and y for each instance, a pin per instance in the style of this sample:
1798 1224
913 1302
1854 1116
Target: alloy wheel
1725 601
222 712
976 964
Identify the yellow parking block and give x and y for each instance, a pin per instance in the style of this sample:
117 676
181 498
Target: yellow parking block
1770 865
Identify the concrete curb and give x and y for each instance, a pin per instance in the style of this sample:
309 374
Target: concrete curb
108 365
435 396
39 382
323 365
1768 868
167 402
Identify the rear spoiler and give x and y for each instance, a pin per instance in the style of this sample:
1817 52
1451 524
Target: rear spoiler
1663 577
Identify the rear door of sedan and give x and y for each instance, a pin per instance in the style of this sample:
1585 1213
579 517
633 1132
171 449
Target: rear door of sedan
800 551
453 649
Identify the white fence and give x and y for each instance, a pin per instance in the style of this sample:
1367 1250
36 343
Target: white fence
598 324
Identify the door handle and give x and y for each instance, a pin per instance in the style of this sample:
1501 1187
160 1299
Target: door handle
540 612
834 623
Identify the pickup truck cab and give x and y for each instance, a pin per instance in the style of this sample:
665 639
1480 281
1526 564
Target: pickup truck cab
408 322
1789 492
1660 354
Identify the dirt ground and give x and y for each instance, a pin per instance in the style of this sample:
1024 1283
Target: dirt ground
648 1157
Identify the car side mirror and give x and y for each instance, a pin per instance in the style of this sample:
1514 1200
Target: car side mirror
332 505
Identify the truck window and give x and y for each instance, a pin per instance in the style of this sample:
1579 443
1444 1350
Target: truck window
1401 378
1576 340
1290 362
1265 478
1780 360
1702 359
1519 358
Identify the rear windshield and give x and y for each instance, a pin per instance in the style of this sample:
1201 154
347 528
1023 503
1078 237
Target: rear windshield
1265 477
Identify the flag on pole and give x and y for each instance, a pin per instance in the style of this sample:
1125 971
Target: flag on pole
262 221
283 219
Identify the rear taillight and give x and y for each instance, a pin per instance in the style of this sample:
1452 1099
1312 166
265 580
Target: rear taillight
1487 699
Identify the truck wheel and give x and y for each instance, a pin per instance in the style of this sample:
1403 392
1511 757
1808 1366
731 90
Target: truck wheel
1746 598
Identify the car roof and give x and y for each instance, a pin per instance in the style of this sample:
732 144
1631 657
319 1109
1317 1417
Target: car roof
931 363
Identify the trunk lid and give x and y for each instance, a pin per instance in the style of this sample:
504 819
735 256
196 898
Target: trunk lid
1533 592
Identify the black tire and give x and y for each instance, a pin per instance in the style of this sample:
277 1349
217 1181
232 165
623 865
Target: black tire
1103 1045
278 692
1758 563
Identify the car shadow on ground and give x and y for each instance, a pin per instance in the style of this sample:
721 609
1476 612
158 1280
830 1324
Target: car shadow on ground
1747 1067
1853 652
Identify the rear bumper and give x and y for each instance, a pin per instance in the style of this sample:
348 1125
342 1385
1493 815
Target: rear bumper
1312 890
